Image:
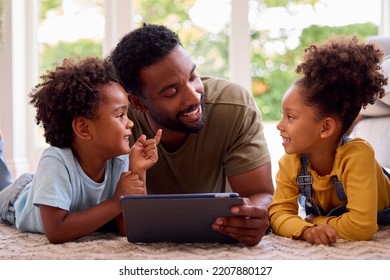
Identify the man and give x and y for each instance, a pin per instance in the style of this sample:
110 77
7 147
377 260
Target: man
212 138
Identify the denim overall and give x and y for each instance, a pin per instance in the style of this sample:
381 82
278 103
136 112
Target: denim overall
305 182
5 175
9 190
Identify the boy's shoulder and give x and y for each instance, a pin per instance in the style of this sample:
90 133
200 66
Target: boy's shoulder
67 153
53 151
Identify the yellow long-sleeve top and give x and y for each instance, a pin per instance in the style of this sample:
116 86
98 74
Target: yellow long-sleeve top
366 187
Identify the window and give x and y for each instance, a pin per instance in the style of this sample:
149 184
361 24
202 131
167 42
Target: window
69 28
46 31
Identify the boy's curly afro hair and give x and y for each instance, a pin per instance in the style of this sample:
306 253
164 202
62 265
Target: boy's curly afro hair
340 77
71 90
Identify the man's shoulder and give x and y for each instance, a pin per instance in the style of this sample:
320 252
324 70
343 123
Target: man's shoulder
220 90
213 83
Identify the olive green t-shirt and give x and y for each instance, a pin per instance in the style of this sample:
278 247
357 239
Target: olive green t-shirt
232 142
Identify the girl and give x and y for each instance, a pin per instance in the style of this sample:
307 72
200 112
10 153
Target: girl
338 180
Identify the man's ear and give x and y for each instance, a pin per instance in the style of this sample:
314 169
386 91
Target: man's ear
137 103
81 129
329 126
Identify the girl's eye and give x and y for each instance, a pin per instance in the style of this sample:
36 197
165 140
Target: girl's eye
289 117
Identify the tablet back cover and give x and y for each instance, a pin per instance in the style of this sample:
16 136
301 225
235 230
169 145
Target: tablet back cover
176 218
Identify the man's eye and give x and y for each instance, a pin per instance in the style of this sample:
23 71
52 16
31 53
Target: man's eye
170 93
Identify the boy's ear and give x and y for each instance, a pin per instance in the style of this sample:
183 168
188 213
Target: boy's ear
137 103
329 126
81 128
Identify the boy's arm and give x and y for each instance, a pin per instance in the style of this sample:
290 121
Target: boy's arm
144 155
61 226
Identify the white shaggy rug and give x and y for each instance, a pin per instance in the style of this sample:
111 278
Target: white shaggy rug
17 245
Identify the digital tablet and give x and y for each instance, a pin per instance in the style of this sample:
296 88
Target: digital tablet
178 218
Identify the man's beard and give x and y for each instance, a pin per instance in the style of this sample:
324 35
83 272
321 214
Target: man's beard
176 125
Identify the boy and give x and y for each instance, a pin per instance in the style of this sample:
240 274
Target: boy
81 176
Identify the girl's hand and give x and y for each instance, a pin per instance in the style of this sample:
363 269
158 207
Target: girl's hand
322 234
310 218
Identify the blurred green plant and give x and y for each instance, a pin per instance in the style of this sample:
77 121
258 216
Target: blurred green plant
272 73
47 6
208 50
54 54
278 72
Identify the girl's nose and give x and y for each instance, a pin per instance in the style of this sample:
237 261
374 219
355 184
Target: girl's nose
279 125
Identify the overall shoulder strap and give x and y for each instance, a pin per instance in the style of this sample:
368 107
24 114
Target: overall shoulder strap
305 183
304 179
345 139
338 185
385 172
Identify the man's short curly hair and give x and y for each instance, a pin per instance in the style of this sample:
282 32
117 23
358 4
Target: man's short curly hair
340 77
71 90
139 49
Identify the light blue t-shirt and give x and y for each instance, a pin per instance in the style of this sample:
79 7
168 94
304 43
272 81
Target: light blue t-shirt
60 182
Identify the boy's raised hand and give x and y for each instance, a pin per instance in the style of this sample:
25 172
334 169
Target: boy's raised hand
144 153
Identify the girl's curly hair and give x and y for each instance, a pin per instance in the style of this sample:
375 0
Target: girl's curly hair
340 77
71 90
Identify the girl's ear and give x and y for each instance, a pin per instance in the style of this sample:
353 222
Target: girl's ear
81 129
137 103
329 126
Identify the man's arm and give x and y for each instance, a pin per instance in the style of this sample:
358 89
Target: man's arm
256 187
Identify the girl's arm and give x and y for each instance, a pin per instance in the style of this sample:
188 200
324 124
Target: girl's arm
322 234
283 210
358 171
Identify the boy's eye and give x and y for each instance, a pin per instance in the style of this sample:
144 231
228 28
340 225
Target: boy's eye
193 77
